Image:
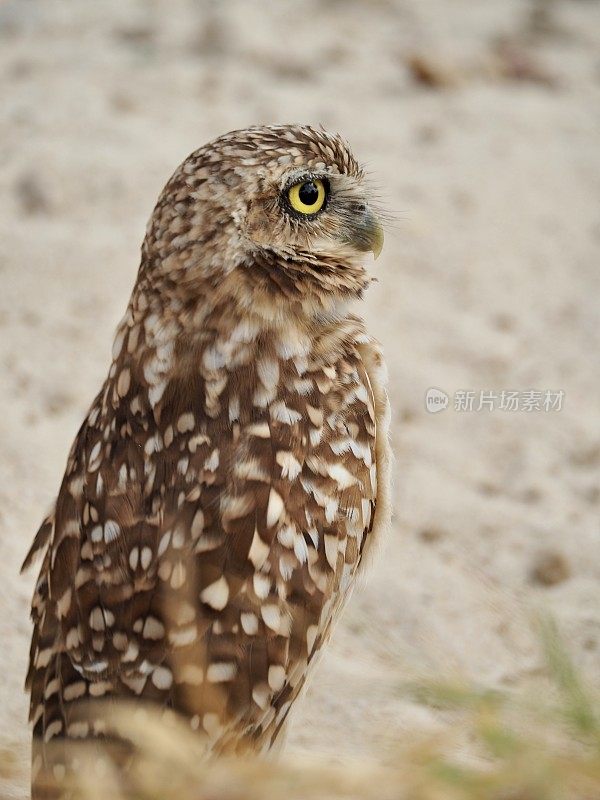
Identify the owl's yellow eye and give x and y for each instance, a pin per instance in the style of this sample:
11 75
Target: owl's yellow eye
307 197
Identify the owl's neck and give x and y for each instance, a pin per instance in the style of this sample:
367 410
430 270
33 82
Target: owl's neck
274 285
165 337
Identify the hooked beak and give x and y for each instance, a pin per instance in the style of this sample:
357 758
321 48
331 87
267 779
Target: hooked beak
366 233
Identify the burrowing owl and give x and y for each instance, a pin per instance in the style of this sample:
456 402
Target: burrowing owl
230 476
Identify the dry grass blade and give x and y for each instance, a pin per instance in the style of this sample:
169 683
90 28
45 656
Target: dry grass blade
579 706
520 748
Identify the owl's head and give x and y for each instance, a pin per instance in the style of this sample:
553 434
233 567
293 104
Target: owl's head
280 212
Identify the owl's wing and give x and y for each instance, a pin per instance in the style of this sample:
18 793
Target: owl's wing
87 590
377 376
202 566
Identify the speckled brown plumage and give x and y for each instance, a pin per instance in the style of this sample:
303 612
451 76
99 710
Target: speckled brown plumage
231 473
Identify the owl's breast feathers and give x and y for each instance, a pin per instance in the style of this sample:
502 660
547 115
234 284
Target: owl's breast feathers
216 506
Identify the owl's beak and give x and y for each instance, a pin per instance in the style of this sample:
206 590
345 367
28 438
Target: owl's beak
377 238
367 233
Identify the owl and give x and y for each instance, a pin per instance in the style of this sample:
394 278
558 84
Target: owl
231 476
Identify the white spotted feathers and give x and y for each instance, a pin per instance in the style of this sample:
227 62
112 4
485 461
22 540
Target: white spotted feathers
231 473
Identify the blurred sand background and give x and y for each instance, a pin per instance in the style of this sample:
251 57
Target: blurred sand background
480 121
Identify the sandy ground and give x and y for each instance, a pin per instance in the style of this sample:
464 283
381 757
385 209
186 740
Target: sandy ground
488 151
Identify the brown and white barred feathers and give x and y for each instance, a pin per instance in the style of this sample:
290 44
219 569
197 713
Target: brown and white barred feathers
232 472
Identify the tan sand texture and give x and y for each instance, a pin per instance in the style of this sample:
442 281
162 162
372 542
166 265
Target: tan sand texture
480 125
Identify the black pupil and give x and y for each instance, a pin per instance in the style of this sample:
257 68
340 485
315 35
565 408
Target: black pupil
308 194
